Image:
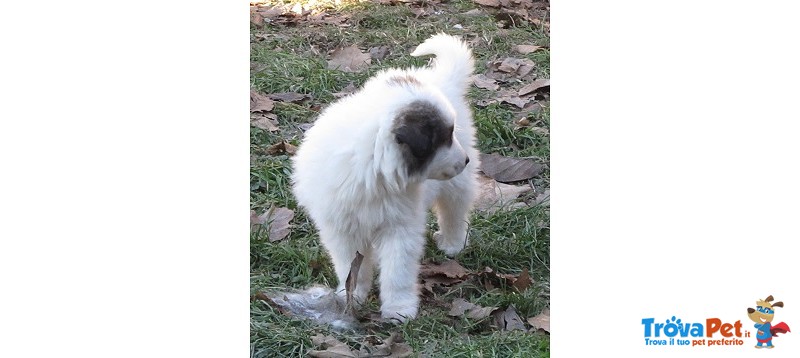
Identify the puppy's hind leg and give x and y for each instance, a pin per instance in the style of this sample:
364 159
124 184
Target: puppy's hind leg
452 209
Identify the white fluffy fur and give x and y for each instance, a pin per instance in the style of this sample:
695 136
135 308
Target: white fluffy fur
349 174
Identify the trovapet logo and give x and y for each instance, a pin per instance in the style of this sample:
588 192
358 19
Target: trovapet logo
711 332
715 331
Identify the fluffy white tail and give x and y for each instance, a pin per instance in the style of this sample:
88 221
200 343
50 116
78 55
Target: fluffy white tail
454 63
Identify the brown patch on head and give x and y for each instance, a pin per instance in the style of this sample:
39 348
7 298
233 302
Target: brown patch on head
404 80
420 129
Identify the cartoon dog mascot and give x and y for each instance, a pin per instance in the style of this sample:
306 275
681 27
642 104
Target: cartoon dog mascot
763 315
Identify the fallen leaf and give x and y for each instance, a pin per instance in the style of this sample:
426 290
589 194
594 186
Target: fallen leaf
439 280
526 49
260 103
391 347
419 11
352 280
461 307
493 195
507 169
516 100
481 81
473 12
523 281
264 121
521 123
508 319
282 147
542 198
277 219
449 268
288 97
530 108
257 19
541 84
510 65
525 67
540 23
541 321
492 3
492 279
331 348
379 53
349 59
272 12
540 130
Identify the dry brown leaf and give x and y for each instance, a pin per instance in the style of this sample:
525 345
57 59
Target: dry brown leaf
473 12
509 65
525 67
507 169
392 347
331 348
540 84
526 49
492 3
257 19
523 281
461 307
481 81
540 23
516 100
288 97
349 59
352 279
541 321
272 12
282 148
493 196
492 279
379 53
521 123
542 198
509 320
449 268
439 280
540 131
260 103
277 219
265 121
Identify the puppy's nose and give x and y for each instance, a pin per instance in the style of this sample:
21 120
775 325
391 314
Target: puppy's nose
467 161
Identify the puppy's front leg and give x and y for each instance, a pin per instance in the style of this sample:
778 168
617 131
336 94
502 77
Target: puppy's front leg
399 252
342 250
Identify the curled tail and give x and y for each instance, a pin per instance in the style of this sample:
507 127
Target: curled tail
454 63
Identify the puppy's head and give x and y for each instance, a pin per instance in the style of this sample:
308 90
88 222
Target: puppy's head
424 131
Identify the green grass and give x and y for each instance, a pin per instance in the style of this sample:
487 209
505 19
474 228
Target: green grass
293 59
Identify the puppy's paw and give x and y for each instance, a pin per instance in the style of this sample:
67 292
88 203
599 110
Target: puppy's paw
398 314
451 247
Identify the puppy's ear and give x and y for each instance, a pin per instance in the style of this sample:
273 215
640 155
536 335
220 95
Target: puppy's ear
418 140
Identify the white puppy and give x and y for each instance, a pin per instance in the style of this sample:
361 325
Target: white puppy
375 161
